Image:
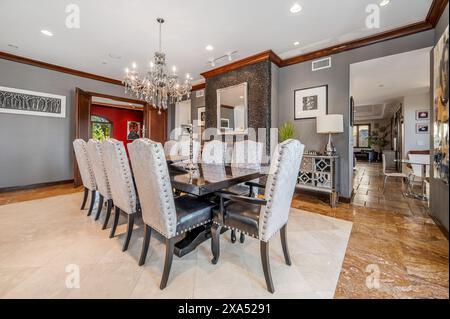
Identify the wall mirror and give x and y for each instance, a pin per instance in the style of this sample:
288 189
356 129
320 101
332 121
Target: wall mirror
232 109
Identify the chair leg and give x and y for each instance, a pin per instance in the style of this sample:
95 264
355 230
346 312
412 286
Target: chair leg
108 213
215 242
85 197
284 244
264 247
116 221
145 244
170 243
242 238
233 236
129 231
91 206
100 207
384 183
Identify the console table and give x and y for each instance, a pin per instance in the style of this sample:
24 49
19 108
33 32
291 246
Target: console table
319 173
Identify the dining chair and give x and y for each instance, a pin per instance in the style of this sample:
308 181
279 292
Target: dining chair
170 217
184 149
86 172
95 152
213 152
121 184
247 154
419 163
262 218
170 148
387 174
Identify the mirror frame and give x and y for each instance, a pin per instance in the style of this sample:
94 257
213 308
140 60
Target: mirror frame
233 132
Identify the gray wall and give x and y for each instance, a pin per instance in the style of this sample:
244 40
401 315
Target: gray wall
36 149
438 190
338 79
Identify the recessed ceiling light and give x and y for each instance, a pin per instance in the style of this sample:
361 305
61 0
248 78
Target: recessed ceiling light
384 3
296 43
114 56
47 33
209 47
296 8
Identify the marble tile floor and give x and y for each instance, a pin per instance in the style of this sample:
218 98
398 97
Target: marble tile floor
45 243
392 238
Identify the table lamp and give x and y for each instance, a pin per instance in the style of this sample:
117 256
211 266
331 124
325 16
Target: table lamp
330 124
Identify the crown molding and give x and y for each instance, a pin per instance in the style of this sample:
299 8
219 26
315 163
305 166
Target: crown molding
436 10
359 43
268 55
199 86
57 68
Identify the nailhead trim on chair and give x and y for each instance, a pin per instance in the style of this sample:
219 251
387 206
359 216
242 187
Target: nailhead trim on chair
98 147
235 228
268 209
92 181
126 175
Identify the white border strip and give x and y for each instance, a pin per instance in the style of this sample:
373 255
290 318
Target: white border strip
37 113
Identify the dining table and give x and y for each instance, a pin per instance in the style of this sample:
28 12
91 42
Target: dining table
203 180
424 166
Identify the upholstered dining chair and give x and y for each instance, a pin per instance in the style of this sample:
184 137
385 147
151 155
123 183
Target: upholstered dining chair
171 217
121 184
170 148
95 152
263 218
246 154
86 172
214 152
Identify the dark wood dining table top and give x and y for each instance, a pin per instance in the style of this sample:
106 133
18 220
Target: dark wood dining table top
210 178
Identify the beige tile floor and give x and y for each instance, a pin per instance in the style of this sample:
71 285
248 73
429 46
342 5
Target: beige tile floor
41 241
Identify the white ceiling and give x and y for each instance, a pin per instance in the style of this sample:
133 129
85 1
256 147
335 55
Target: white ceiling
128 29
377 82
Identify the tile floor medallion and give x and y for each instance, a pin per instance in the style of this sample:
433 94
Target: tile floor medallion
46 243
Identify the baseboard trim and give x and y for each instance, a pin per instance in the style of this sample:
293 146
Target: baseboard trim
439 225
33 186
324 196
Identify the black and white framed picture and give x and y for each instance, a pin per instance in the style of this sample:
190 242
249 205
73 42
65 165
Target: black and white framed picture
16 101
422 128
422 115
201 116
225 123
310 103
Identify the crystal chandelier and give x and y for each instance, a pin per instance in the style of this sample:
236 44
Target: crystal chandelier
158 87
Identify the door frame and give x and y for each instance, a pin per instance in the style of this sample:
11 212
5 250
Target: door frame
83 119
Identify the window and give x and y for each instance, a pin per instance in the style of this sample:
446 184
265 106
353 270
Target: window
361 134
101 128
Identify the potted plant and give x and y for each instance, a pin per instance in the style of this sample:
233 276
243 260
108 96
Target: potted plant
286 132
379 138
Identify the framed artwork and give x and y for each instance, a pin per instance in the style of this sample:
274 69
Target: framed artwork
352 111
440 114
422 115
422 128
310 103
16 101
201 116
133 130
224 123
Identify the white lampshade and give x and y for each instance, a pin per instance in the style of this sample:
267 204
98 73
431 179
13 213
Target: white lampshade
331 123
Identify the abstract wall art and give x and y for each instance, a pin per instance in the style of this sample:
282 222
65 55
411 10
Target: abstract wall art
440 120
17 101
